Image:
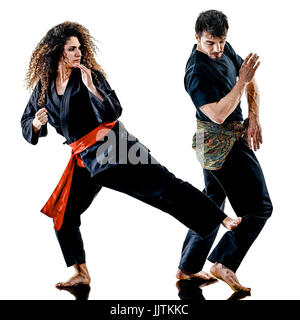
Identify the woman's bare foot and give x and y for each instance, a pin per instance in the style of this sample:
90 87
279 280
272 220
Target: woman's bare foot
199 275
228 276
230 223
81 277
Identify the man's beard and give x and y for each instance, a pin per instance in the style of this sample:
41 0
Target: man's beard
216 58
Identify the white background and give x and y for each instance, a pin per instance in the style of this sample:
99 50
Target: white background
133 249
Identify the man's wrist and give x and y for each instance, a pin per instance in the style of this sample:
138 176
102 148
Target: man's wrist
241 84
253 115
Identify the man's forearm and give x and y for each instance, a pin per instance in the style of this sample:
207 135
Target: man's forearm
254 128
252 93
219 111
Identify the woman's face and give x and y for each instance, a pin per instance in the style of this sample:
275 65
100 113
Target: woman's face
71 54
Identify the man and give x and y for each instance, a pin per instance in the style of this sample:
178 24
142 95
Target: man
224 147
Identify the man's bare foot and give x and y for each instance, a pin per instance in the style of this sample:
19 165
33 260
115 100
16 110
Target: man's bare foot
228 276
81 277
230 223
199 275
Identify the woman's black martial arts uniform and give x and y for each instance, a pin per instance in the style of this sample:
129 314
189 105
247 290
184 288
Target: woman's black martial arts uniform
77 113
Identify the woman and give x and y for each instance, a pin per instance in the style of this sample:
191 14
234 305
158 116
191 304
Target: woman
72 94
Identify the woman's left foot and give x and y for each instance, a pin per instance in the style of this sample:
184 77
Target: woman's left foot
230 223
81 277
74 281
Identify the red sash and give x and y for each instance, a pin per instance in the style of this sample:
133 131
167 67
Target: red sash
56 205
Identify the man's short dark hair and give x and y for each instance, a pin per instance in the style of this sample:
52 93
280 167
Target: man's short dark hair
212 21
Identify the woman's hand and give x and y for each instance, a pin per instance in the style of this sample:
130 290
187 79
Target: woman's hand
86 76
87 79
41 118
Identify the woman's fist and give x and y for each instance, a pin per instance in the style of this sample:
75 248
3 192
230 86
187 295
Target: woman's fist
41 118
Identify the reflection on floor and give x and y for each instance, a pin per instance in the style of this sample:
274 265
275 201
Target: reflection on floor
80 292
191 289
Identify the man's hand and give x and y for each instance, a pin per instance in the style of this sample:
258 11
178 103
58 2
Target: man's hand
248 68
254 133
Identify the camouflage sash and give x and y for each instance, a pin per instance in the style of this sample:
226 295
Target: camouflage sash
213 142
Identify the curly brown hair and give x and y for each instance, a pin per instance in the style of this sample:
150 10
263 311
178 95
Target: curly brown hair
45 57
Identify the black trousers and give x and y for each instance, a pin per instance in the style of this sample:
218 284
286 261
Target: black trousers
241 180
150 183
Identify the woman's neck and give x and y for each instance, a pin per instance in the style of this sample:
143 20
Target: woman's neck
63 73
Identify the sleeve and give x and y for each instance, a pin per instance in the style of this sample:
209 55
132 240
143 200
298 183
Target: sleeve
27 118
237 60
109 109
201 88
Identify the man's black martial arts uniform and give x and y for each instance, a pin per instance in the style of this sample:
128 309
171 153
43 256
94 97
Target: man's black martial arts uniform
77 113
240 178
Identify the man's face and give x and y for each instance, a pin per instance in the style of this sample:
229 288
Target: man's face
212 46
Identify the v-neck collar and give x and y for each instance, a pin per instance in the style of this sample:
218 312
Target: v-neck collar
64 105
54 93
